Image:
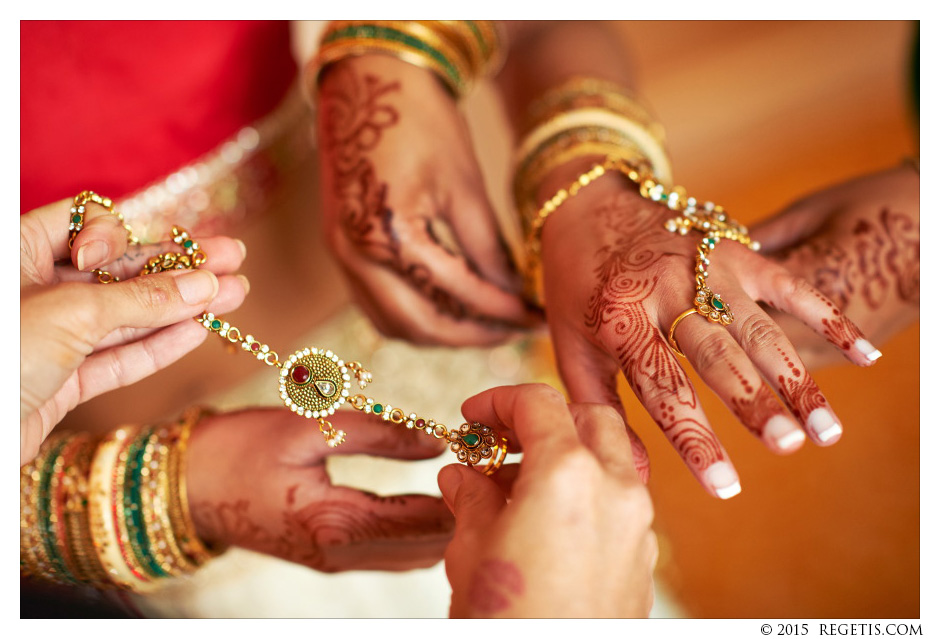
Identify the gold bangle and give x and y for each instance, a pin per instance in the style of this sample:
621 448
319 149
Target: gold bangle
37 560
180 515
648 145
52 514
410 41
582 92
479 40
569 145
177 562
32 562
102 508
75 495
120 508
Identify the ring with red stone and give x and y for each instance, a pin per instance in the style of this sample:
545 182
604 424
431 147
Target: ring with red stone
473 443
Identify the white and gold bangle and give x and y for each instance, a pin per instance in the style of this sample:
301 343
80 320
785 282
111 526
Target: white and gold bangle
102 511
647 143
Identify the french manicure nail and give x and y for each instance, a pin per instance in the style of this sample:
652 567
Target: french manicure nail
196 287
241 247
723 479
91 255
822 422
245 283
867 349
784 433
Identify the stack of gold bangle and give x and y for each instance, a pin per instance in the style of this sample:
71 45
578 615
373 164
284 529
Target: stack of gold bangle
457 51
584 117
113 514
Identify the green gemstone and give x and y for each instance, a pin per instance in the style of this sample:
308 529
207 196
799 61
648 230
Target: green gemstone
471 439
717 303
188 243
216 325
76 218
376 408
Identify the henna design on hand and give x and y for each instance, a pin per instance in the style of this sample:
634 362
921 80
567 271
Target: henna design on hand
356 113
623 286
494 586
864 264
229 523
311 531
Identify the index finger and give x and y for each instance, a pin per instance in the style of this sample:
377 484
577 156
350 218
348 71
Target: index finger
536 413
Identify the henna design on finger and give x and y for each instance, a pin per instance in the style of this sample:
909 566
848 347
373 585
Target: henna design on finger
356 113
755 408
798 390
697 445
494 586
315 532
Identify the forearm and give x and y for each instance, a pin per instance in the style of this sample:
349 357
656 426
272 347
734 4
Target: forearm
543 54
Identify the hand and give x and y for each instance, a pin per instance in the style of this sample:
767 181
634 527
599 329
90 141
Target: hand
80 338
572 538
858 243
406 208
257 479
615 280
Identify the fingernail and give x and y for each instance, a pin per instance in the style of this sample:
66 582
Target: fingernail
784 433
823 423
241 247
449 480
196 287
91 255
867 349
723 479
245 283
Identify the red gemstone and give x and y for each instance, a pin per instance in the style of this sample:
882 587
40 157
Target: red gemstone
255 347
420 423
300 374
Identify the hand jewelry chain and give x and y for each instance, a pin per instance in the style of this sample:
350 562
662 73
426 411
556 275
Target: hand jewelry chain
314 382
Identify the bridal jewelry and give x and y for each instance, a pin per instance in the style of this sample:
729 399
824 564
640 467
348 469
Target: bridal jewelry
313 382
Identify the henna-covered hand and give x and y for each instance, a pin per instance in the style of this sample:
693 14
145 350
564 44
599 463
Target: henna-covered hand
571 536
257 479
859 244
406 209
615 279
80 339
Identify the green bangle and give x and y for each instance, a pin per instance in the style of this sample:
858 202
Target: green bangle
133 512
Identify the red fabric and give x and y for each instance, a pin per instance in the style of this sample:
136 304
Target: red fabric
111 106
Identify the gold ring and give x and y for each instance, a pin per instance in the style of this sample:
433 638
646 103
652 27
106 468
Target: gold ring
672 331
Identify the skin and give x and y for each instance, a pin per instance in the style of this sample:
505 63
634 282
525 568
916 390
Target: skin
859 244
83 338
413 231
577 480
270 492
615 280
397 161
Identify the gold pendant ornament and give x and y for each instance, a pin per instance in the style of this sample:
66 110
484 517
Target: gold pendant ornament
312 382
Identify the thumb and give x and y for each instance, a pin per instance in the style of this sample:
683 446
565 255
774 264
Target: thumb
787 227
590 376
475 500
152 301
